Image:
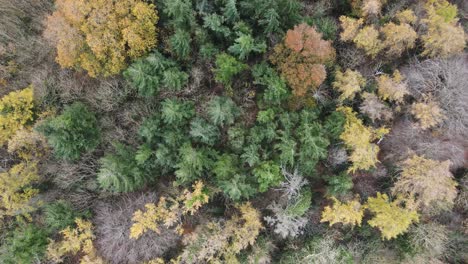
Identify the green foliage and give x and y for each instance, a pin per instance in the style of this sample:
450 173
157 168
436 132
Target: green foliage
192 163
236 138
204 132
266 116
268 174
225 167
226 68
72 133
276 89
119 172
176 112
26 244
251 155
313 145
270 21
230 11
237 187
154 72
339 184
272 16
327 26
246 44
334 125
301 204
180 43
59 215
222 111
316 251
215 23
230 178
181 13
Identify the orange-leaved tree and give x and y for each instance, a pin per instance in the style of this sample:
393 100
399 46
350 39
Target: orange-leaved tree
301 58
100 36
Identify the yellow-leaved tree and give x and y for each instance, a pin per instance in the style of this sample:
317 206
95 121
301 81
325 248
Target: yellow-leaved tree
358 138
398 38
428 113
348 83
368 39
100 36
164 212
218 242
347 213
75 240
350 27
169 211
444 36
430 181
16 111
16 191
392 88
391 218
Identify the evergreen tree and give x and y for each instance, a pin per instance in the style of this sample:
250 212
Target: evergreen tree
176 112
72 133
222 111
180 44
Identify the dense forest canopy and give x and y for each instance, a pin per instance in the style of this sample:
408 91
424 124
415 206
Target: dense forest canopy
233 131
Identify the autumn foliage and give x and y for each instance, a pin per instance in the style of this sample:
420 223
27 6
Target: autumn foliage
392 218
16 110
101 36
358 138
301 58
430 181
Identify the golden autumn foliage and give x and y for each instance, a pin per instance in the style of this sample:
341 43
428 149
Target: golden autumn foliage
398 38
168 211
163 212
371 7
100 36
444 36
225 240
28 145
358 138
348 83
350 27
368 40
16 111
430 181
75 240
428 113
193 201
16 192
301 57
406 16
392 88
347 213
391 218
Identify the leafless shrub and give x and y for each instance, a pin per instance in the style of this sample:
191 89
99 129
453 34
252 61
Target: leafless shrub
350 57
113 221
406 137
430 238
337 156
289 217
293 183
285 224
20 32
67 175
373 107
445 80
